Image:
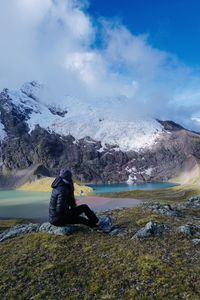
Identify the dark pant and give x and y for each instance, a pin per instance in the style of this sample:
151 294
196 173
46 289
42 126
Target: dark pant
73 217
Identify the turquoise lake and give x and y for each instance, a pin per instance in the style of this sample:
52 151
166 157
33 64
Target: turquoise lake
123 187
22 204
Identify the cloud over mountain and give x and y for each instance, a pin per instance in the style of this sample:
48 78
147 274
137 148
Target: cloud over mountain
57 43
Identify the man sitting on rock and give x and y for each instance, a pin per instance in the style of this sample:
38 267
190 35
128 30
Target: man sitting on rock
63 209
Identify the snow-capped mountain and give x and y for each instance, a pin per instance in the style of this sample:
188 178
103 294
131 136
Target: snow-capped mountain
80 119
39 136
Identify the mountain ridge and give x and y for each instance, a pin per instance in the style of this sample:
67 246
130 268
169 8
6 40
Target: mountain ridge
83 118
88 141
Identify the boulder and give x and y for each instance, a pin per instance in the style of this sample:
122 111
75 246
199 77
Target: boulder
45 227
151 229
18 230
193 202
196 241
64 230
186 229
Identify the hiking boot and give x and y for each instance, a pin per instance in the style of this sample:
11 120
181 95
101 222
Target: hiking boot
105 224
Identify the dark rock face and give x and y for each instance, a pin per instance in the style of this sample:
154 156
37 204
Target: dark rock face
170 125
56 111
17 153
23 150
12 118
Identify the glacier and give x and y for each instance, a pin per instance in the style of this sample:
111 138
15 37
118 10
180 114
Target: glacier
96 119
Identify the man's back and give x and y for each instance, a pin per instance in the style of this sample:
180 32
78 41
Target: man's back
59 201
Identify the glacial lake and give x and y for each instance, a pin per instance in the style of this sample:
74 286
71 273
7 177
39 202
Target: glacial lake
23 204
124 187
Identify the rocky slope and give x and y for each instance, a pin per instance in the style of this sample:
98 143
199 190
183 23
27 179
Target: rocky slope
37 139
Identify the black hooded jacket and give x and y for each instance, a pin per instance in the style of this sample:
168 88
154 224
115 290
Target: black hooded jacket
62 199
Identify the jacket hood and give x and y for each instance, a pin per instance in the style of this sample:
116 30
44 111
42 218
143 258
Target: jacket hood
66 174
57 182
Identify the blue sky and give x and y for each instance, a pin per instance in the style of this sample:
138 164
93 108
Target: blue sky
172 25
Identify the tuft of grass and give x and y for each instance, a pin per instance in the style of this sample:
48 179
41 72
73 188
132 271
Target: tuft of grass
153 217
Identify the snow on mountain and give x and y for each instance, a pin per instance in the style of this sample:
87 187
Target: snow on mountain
2 132
126 135
80 119
33 90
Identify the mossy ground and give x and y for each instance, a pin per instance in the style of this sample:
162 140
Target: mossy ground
91 265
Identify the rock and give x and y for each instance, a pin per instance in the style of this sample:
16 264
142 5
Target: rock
193 202
45 227
151 229
117 232
163 209
18 230
196 241
197 227
64 230
186 229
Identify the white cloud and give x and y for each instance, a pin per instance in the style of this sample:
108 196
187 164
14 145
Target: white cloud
53 41
89 65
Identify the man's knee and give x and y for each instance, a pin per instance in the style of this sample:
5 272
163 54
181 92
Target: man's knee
84 206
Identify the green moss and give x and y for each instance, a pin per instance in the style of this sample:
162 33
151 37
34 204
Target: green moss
148 266
90 265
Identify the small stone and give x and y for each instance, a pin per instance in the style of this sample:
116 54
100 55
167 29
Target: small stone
196 241
193 202
142 233
186 229
115 232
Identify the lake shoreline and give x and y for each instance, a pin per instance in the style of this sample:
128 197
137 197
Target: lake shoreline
32 209
34 205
